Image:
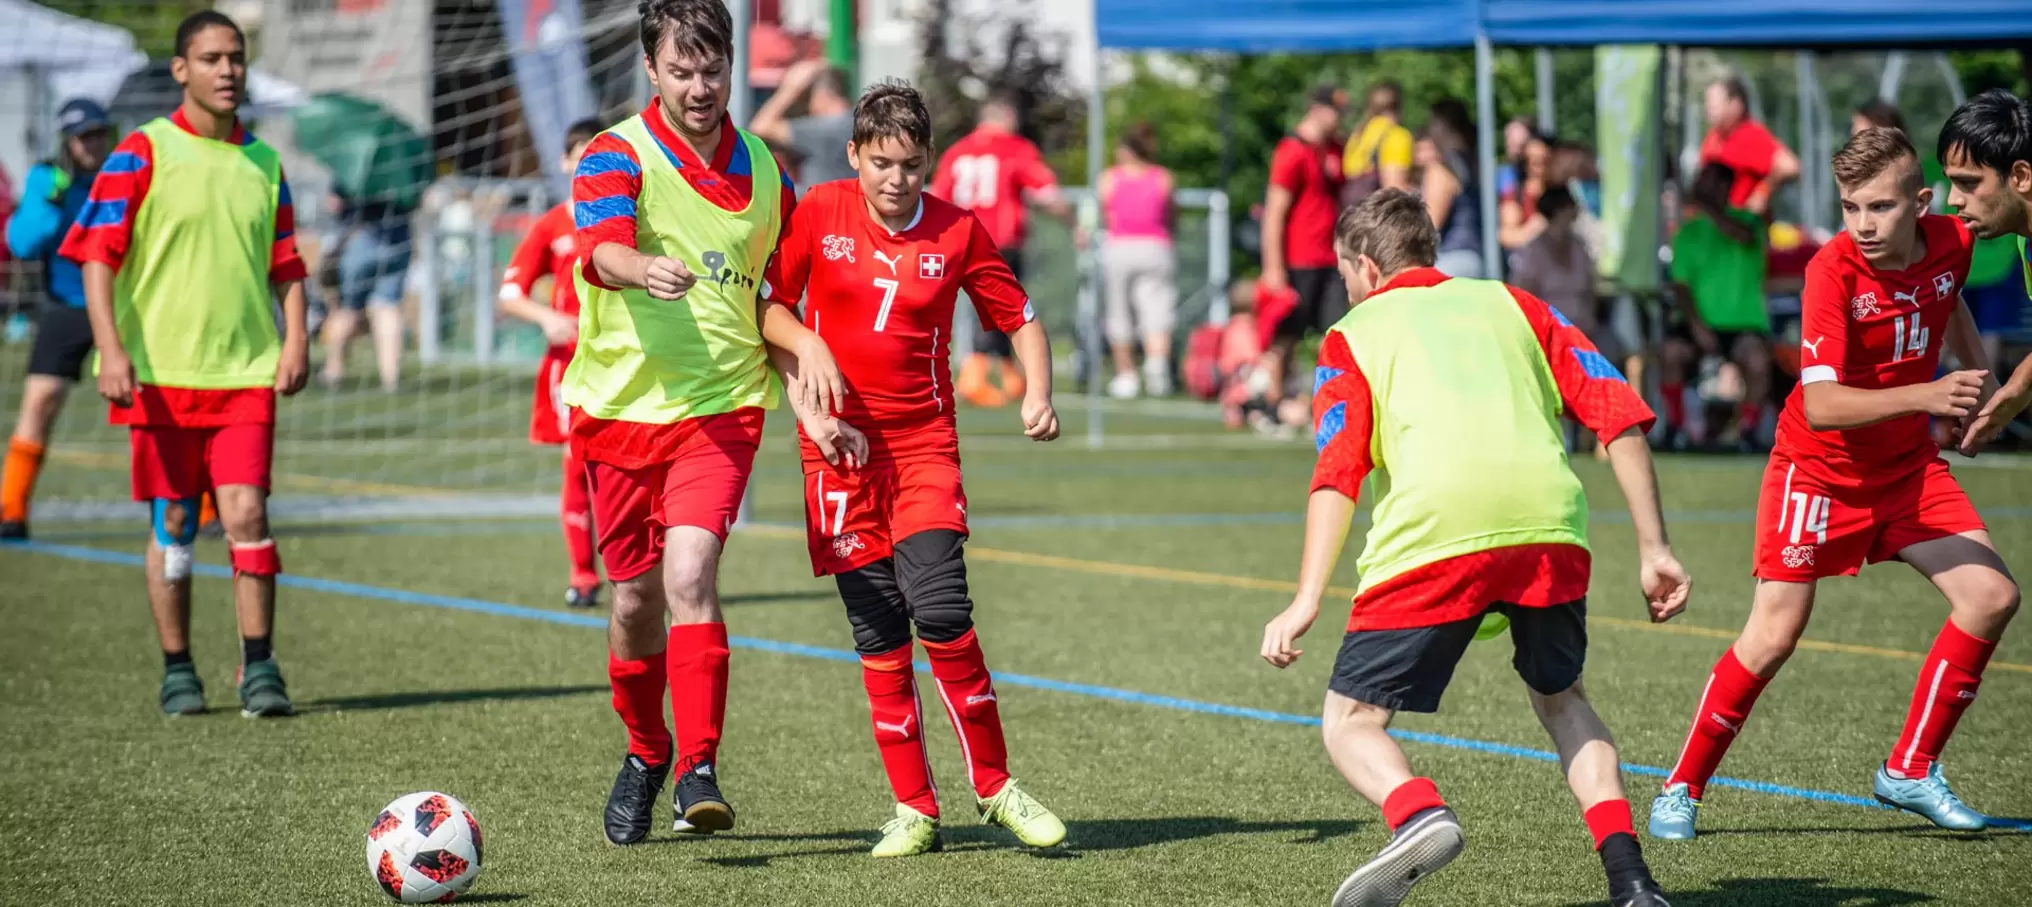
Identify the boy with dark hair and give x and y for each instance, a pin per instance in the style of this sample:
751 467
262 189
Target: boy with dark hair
551 250
1986 150
678 212
1856 476
194 200
880 265
1449 392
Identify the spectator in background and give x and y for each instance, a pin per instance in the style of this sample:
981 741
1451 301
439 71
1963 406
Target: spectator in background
52 194
372 249
995 173
1995 291
1299 208
1447 183
1760 162
1379 154
1555 266
1516 135
1139 264
1517 210
819 138
1718 284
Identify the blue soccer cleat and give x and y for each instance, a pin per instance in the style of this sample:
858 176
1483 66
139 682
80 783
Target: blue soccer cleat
1672 814
1930 797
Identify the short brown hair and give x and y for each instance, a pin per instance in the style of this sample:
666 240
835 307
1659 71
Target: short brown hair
696 28
1390 227
1871 152
892 109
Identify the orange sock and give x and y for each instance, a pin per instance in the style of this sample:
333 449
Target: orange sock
208 511
17 481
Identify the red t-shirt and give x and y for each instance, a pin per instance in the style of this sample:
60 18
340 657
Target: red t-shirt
1870 329
995 174
884 303
549 249
1592 392
103 232
1312 174
1747 149
605 189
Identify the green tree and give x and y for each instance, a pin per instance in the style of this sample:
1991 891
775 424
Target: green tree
153 22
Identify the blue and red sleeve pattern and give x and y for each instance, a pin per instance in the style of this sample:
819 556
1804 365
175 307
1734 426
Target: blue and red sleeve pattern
1592 389
604 190
1343 420
105 226
284 264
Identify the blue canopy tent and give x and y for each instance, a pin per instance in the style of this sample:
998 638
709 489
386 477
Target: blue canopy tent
1265 26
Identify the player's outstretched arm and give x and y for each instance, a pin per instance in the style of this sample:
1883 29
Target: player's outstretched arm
1033 350
2003 407
1327 515
1665 583
819 387
835 439
292 371
1830 406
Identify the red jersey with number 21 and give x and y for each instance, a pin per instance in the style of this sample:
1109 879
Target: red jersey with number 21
1870 329
884 301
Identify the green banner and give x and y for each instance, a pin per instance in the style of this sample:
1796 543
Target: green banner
1626 118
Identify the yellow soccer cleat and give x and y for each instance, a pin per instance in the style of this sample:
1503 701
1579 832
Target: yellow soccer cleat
1019 812
909 834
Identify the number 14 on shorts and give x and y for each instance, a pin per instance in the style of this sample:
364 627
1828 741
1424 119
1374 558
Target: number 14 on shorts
1806 514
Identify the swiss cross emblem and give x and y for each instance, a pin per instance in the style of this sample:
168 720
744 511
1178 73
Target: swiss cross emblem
931 267
1943 285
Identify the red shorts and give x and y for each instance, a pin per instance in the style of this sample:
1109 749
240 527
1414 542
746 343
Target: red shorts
700 485
173 461
853 517
549 417
1807 530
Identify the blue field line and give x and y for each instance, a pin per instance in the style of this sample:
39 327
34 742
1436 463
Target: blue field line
779 647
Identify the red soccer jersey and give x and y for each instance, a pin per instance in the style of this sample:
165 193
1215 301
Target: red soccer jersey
1312 174
1872 329
884 303
550 248
995 174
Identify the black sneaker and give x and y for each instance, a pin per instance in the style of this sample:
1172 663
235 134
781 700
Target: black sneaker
700 808
14 531
581 598
631 805
1641 894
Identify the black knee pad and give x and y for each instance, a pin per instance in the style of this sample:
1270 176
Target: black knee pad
875 608
931 567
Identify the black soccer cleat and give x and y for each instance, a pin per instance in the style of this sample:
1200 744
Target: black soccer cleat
14 531
700 808
1641 894
631 805
581 598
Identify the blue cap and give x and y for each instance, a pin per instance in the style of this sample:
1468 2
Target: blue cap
82 115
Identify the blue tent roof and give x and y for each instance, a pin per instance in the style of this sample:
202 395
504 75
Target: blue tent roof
1320 25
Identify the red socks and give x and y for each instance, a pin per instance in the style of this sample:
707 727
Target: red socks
1409 799
638 699
1609 817
698 690
899 728
963 683
1947 685
1724 705
576 513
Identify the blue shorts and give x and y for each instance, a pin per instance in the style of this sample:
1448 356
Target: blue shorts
374 265
1999 308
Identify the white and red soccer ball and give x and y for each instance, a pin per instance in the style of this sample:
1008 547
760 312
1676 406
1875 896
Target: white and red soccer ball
424 848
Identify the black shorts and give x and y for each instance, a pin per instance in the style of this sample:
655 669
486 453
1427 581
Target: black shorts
1322 301
996 343
62 343
1408 670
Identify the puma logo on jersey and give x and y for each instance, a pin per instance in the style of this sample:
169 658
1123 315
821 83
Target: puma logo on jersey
1912 297
1864 306
1812 347
891 262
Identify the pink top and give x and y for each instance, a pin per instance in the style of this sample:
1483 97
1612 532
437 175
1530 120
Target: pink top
1138 206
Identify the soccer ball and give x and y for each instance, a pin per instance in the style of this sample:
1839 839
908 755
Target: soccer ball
423 848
